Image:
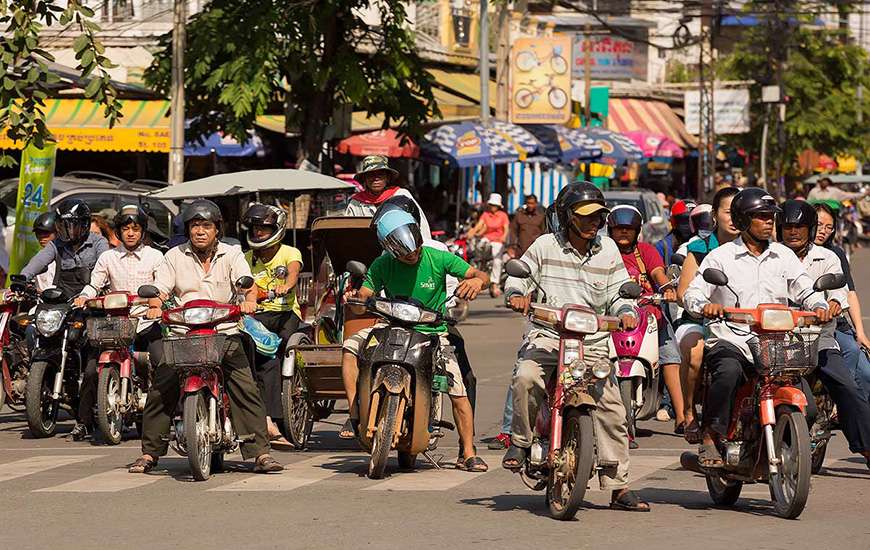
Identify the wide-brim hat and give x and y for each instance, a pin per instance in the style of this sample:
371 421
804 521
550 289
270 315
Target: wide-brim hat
376 163
495 200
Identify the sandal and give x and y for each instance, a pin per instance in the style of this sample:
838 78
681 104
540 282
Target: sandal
142 465
514 458
266 464
627 501
348 429
709 456
693 432
279 441
680 428
472 464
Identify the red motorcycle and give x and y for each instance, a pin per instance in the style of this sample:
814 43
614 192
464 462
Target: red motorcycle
204 431
14 351
122 373
563 457
768 439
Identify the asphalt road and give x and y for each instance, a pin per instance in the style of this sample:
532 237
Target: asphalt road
57 493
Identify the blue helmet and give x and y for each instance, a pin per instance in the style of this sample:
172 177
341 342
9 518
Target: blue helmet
398 232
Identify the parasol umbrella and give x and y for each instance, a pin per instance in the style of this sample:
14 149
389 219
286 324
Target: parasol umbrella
388 143
615 148
251 181
563 144
655 145
467 144
526 143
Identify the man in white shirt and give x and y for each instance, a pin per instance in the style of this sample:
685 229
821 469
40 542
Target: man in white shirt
758 271
824 191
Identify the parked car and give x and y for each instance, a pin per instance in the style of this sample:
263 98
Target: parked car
655 225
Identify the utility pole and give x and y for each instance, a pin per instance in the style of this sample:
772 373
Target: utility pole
587 66
484 63
502 62
176 95
859 95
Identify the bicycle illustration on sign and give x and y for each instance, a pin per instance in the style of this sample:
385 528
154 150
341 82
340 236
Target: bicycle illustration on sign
528 60
529 92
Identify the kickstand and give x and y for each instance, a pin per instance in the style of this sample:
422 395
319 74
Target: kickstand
433 461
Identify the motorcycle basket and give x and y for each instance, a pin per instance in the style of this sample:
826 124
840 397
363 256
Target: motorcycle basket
193 351
111 332
785 353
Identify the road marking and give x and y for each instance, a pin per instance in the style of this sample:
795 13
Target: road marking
294 476
36 464
112 481
425 480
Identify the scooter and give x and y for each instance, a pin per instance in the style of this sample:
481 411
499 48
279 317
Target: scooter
563 455
768 439
14 350
204 431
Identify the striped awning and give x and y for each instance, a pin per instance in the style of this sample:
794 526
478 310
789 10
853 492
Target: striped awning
79 125
627 115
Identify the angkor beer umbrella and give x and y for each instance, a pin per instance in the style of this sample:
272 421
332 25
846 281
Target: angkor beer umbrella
563 144
467 144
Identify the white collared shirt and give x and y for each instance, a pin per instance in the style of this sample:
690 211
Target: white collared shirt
819 261
773 277
122 270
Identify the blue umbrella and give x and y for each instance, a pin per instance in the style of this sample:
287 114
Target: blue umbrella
467 144
563 144
615 148
223 145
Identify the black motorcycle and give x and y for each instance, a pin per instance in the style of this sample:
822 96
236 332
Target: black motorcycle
56 364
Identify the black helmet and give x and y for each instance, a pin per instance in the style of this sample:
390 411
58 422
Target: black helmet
131 213
398 202
73 220
624 215
202 209
580 197
269 216
45 222
799 213
748 203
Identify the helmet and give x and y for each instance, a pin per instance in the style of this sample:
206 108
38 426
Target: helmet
680 222
131 213
73 220
624 215
701 220
397 202
45 222
202 209
749 202
398 233
270 216
799 213
580 197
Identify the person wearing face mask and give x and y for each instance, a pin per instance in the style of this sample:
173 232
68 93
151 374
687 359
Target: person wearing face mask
681 229
528 223
796 228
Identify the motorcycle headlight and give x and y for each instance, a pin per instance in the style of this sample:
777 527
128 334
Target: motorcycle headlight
777 319
602 369
578 369
199 315
407 312
581 321
115 301
48 321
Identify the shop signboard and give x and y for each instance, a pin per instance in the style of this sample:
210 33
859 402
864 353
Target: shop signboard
540 77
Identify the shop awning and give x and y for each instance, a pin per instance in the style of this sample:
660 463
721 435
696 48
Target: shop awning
465 85
647 115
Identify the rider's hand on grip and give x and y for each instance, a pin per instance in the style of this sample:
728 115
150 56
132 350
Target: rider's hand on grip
824 315
627 321
713 311
669 295
834 308
248 307
154 313
520 303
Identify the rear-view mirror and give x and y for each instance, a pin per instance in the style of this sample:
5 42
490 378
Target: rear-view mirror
630 290
678 259
245 282
148 291
518 269
673 271
829 281
281 272
356 268
715 276
53 296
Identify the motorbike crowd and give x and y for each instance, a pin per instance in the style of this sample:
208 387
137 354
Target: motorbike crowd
743 321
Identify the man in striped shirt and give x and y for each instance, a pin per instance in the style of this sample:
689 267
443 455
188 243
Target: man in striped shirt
575 265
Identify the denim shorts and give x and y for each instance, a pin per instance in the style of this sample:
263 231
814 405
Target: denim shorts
669 353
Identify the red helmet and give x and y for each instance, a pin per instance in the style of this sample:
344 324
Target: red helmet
680 210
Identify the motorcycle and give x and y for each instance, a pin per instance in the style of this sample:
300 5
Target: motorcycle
563 456
823 426
402 374
14 351
56 363
768 439
204 431
121 372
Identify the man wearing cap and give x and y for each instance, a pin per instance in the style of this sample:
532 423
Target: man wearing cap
379 179
494 226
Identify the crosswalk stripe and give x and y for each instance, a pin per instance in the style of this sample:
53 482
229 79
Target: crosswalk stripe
425 480
36 464
106 482
294 476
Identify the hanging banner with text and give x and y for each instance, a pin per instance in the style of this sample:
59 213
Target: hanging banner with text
34 196
730 111
540 78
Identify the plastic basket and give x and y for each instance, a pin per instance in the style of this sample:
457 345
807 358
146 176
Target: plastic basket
785 353
114 332
191 351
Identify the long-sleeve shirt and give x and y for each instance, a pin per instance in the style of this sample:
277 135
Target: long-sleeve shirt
568 277
773 277
119 269
359 208
67 258
819 261
831 193
526 228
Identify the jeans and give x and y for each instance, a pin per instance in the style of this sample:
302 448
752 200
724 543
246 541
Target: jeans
855 360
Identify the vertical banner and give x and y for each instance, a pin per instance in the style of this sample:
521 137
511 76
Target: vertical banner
34 196
540 80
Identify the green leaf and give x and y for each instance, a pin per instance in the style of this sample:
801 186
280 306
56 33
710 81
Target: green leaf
92 87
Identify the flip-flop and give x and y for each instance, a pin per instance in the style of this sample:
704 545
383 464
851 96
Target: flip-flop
142 465
473 464
280 441
680 428
514 458
709 457
348 429
693 432
628 502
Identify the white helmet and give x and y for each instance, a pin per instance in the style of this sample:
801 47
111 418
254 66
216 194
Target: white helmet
270 216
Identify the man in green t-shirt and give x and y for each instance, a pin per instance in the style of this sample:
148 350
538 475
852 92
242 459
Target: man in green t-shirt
413 271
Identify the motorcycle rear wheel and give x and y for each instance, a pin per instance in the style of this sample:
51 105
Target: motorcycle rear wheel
297 413
723 492
383 440
196 437
110 419
819 457
578 454
790 488
41 408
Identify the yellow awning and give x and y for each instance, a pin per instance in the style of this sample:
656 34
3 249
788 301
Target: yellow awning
465 84
79 125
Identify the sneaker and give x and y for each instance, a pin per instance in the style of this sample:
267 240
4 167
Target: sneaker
501 442
663 416
79 432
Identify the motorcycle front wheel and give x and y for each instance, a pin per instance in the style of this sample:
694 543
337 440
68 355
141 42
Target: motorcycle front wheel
566 486
196 437
110 419
790 487
723 492
383 440
40 407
